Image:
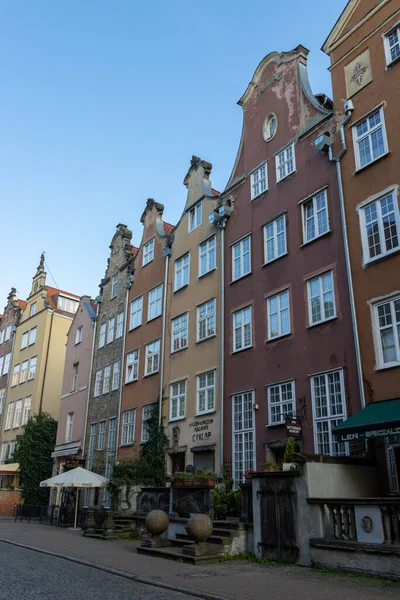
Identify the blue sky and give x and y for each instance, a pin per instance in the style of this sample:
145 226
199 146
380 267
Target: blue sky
103 104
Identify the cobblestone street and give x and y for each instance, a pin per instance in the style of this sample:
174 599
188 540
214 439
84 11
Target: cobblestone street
29 575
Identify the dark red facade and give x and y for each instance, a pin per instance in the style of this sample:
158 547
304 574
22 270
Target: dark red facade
280 88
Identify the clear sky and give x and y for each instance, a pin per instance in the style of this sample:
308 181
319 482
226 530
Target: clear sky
103 103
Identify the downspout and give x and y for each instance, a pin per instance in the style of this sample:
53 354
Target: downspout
222 359
46 362
128 287
89 385
164 320
347 252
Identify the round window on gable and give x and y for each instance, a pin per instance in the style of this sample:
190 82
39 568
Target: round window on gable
270 126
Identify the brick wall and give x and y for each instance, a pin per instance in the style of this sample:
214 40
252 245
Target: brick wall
8 498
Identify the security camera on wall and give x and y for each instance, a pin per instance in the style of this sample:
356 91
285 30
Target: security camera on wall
323 142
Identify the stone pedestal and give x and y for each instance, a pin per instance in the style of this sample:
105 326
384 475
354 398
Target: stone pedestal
202 549
91 523
156 523
109 525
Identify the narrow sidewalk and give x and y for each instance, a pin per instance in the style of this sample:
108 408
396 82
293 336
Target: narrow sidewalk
231 580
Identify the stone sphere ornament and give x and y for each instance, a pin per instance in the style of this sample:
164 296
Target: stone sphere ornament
157 522
199 528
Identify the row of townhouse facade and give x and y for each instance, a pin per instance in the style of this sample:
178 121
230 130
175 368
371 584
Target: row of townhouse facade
271 307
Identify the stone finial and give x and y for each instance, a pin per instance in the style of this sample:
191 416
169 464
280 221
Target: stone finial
195 163
41 263
150 204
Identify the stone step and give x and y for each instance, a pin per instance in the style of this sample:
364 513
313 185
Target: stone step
175 553
213 539
233 525
180 543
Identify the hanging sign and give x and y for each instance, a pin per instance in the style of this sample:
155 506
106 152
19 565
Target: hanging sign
294 427
73 463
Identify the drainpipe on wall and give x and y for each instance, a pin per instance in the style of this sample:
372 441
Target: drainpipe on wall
349 107
167 252
46 363
89 384
129 282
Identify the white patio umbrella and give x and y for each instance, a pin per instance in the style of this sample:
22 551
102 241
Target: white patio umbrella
78 478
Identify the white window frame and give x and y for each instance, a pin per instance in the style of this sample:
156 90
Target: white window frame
210 400
75 377
78 335
8 331
15 375
107 379
1 364
114 286
32 310
278 296
147 412
243 435
98 383
377 200
182 272
242 326
240 244
101 438
313 200
24 369
136 313
386 43
180 332
2 400
208 251
274 237
282 404
4 452
111 330
69 427
381 364
120 325
132 365
285 163
155 300
128 427
195 217
2 333
10 414
24 340
102 334
321 296
358 138
259 180
148 252
32 336
209 316
7 363
32 369
116 375
27 410
332 419
177 400
150 357
17 414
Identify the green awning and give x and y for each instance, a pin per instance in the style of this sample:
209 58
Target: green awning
379 419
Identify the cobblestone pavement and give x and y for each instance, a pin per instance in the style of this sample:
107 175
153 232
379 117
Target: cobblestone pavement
29 575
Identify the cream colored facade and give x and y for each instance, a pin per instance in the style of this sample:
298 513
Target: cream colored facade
35 379
192 374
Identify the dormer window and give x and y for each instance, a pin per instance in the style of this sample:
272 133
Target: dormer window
148 252
195 217
67 304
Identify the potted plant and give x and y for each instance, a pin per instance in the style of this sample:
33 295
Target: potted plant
204 477
247 474
277 467
266 466
183 478
289 457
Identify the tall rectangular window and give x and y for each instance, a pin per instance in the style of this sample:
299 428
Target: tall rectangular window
242 329
7 360
380 226
132 365
259 181
128 427
241 258
285 162
15 375
114 286
24 371
177 400
78 335
278 313
281 402
75 374
32 336
275 239
387 329
97 383
32 311
27 410
32 368
112 435
182 266
369 137
147 412
207 256
24 340
206 320
69 427
195 217
179 334
205 392
10 411
102 335
155 302
120 325
8 333
101 440
111 330
13 445
136 313
116 374
92 441
391 42
148 252
1 365
321 298
17 415
2 400
243 435
4 452
2 332
329 410
107 379
315 217
152 358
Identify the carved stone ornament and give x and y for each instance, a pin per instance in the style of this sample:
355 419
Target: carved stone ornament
358 73
367 524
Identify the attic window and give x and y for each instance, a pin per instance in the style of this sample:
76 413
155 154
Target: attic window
270 127
67 304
